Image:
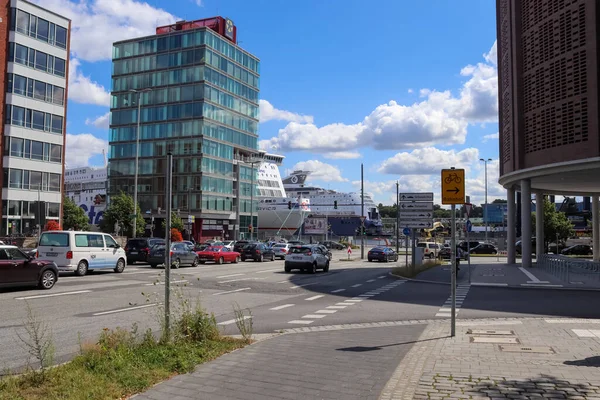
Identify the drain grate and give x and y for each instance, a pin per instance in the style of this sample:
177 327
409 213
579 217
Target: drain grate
494 339
487 332
527 349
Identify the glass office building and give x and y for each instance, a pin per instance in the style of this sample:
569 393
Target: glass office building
198 95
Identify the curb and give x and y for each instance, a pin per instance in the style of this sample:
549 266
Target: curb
498 286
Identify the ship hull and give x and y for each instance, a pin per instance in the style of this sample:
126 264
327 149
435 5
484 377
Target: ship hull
280 222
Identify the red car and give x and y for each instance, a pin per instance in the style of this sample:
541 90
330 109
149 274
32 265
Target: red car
218 254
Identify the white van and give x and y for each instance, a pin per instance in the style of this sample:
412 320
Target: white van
81 252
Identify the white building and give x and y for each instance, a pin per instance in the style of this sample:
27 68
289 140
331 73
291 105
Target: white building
86 186
34 114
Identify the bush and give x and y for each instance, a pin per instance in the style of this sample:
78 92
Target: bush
196 325
52 226
176 235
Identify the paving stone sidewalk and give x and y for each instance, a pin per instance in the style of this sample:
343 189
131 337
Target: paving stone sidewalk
540 358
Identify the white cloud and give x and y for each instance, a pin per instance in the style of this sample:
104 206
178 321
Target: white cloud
80 148
198 3
269 113
82 89
342 155
493 136
101 122
428 160
492 56
320 171
410 90
96 24
440 118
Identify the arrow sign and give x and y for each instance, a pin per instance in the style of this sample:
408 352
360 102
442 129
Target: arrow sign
412 206
410 215
416 196
455 190
418 224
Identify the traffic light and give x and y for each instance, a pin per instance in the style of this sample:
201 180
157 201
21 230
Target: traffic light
335 204
289 205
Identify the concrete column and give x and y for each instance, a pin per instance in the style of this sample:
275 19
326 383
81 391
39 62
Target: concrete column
539 224
511 228
595 228
526 223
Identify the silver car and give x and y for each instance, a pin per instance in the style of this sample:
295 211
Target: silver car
306 258
281 250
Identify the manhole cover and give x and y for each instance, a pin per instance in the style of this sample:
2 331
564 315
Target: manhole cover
492 339
527 349
486 332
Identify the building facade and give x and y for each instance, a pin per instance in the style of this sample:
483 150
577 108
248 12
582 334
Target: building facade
198 93
548 55
34 61
86 186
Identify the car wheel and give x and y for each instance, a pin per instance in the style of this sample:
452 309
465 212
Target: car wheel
313 268
220 260
396 259
153 265
195 262
47 280
431 256
370 260
287 269
494 252
202 262
272 257
326 269
82 268
590 253
129 262
237 260
243 258
176 264
261 258
120 266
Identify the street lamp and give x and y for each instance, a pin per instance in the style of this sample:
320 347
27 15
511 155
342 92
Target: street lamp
137 152
485 211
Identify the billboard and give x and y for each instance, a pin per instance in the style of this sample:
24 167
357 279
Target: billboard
315 226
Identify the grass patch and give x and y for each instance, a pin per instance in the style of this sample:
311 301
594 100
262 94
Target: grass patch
124 362
407 271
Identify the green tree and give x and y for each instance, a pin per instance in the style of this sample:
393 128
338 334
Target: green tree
176 222
556 224
439 212
73 216
119 211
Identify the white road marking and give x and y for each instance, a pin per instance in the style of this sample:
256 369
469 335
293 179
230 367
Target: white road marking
305 284
300 321
232 321
313 316
315 297
353 300
366 295
286 281
232 291
357 285
371 280
345 304
268 270
162 283
446 310
381 277
241 279
488 284
572 321
281 307
587 332
41 296
228 276
335 307
326 311
338 290
125 309
539 285
532 277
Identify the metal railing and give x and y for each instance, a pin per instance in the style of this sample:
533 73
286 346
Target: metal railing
574 271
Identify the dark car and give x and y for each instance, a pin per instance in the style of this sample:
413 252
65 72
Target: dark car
325 251
181 255
19 269
578 250
138 249
445 253
382 254
466 246
239 245
330 244
484 248
257 252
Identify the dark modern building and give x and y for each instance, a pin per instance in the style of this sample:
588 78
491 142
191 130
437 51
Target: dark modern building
548 56
198 93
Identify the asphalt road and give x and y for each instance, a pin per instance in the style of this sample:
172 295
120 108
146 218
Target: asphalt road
78 308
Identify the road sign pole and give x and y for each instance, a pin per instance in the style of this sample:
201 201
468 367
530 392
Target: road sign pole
453 280
413 249
406 252
167 332
469 251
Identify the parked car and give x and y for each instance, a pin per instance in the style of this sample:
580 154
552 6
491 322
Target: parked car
81 252
445 253
484 248
430 249
382 254
466 246
218 254
181 255
257 252
519 248
138 249
330 244
578 250
306 258
20 269
325 251
201 247
239 245
229 244
281 250
30 252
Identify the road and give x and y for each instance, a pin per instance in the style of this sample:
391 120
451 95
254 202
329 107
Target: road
78 308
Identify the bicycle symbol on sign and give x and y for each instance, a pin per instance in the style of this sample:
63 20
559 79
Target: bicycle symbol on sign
453 177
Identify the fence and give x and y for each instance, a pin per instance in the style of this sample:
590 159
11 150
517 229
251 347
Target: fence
574 271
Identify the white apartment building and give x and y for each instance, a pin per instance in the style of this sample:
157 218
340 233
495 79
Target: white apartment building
33 133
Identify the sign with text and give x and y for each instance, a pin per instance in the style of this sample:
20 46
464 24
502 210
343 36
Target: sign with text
416 215
453 186
416 196
417 224
412 206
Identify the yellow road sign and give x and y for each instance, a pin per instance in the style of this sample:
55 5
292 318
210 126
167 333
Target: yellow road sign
453 186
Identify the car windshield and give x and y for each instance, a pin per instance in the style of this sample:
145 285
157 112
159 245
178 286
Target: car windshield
421 244
279 245
377 249
54 239
249 246
137 243
300 250
213 248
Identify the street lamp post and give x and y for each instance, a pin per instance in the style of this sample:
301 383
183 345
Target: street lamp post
137 159
485 210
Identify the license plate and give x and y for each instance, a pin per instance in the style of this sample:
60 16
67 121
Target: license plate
296 258
51 254
134 252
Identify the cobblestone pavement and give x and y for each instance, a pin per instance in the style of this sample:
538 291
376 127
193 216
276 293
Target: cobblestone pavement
514 359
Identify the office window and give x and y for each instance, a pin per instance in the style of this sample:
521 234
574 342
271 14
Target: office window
22 22
38 120
15 178
16 147
20 85
20 54
37 150
39 90
43 27
41 61
61 37
59 66
57 124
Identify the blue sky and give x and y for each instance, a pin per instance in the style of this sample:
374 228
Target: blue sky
405 87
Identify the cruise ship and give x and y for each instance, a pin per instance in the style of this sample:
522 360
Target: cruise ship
344 220
275 216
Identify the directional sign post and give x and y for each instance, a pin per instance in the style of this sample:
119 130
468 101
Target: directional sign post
410 206
416 197
417 223
416 212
